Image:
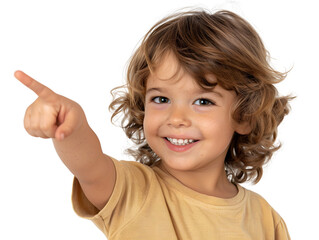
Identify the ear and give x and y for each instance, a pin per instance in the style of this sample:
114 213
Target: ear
242 128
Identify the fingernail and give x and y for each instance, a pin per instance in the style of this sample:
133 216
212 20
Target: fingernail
62 136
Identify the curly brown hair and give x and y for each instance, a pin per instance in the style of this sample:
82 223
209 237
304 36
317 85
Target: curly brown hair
226 45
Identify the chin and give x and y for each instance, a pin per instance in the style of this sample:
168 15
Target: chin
179 164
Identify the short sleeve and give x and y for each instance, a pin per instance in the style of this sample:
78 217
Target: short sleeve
281 232
129 193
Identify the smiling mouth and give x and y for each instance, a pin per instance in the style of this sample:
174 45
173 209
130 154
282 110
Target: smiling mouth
180 142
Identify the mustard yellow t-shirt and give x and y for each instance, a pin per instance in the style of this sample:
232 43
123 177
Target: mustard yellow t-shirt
149 204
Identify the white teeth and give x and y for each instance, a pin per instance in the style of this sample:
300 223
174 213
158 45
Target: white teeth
180 142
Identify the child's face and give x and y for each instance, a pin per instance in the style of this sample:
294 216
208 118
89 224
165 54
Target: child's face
180 110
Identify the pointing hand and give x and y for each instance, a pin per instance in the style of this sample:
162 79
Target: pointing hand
50 115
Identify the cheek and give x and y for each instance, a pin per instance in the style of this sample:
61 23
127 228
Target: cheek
150 122
146 124
151 127
219 127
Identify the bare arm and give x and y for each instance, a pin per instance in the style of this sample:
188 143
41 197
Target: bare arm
63 120
82 154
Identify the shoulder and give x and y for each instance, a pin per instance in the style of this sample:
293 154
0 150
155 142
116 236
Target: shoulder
133 177
256 198
261 206
269 218
133 184
133 169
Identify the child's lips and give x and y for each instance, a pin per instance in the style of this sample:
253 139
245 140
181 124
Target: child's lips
180 148
180 141
183 137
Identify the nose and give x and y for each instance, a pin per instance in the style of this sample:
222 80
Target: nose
178 117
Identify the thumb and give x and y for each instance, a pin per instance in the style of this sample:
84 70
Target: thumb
67 127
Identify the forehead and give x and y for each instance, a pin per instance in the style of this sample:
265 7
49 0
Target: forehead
167 67
168 70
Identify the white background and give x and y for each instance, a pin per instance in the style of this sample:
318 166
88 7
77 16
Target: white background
80 49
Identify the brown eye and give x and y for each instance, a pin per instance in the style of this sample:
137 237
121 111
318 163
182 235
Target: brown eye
160 100
203 102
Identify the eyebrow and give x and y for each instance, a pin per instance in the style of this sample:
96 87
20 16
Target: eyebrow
198 92
154 89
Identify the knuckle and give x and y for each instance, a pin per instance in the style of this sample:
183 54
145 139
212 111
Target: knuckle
34 126
46 128
44 125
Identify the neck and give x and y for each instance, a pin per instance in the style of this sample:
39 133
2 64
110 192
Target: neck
210 181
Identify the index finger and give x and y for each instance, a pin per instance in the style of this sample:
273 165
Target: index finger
35 86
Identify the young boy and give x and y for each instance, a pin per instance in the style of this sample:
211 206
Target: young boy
201 106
